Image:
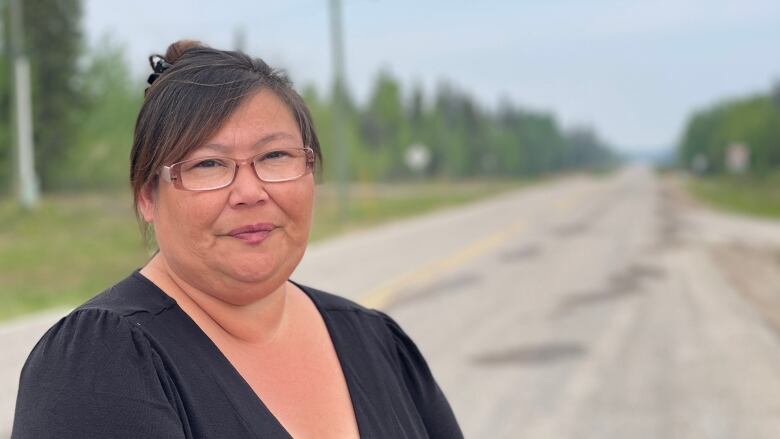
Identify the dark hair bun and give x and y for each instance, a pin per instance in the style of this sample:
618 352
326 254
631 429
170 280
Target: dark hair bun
177 49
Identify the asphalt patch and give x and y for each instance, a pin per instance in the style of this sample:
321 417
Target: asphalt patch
622 285
520 253
531 355
444 286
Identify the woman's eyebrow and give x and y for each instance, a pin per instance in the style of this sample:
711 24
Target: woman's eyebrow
272 137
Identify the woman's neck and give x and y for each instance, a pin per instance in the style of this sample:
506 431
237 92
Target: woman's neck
259 323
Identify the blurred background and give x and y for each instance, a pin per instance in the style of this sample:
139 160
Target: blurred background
571 205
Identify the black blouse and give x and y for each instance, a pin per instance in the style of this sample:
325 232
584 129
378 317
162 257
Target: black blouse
131 364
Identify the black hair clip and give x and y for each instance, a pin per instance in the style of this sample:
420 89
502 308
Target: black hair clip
159 66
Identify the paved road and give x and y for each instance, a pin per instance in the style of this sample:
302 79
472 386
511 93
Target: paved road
580 308
583 308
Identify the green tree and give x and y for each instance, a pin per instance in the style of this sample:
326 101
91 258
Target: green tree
54 44
384 127
585 149
110 100
465 140
6 144
753 121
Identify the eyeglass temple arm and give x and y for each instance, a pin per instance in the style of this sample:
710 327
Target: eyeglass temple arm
166 174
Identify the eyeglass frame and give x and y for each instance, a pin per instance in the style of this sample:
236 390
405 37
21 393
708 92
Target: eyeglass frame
172 174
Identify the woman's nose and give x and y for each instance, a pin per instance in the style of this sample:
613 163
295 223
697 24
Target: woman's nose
247 188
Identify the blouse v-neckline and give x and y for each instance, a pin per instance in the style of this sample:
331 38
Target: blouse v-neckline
239 392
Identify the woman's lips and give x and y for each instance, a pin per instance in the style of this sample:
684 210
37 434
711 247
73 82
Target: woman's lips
252 237
252 234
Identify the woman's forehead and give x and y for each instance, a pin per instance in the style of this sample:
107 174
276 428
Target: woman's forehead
273 139
262 121
261 115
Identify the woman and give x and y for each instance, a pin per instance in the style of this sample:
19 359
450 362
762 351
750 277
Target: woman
210 339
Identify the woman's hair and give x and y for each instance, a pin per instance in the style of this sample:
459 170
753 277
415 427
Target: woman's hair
193 91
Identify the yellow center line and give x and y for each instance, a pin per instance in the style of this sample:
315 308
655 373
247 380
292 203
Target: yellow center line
384 294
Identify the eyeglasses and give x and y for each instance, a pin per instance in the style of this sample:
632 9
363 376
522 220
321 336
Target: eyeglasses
209 173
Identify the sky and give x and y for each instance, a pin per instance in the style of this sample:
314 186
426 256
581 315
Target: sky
632 70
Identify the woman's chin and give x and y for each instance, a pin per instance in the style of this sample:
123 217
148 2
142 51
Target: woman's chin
249 275
251 270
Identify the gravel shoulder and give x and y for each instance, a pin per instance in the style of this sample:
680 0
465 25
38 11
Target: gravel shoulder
745 250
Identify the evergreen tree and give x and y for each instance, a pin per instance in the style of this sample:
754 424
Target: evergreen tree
753 121
53 41
6 144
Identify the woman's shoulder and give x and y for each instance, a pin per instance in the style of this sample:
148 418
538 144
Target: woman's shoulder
107 327
331 304
115 312
370 321
91 362
133 295
104 326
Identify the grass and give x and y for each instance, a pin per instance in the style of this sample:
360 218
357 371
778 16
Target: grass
758 196
65 251
370 204
74 246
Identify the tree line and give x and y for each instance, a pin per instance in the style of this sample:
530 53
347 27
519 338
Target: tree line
752 121
464 139
85 101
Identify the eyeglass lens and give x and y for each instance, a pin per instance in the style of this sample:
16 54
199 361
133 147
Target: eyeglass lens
215 172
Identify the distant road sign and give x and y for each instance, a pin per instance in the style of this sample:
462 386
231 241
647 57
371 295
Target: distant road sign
417 157
737 158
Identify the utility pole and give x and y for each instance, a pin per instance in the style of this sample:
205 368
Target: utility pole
27 185
239 39
339 90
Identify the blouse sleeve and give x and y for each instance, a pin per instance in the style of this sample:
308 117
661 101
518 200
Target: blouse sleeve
93 375
430 401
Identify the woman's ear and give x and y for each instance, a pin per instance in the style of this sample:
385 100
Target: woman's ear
146 200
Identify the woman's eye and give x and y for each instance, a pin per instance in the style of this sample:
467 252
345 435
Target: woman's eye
276 155
208 163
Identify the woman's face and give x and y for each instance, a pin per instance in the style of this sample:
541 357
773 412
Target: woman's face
199 233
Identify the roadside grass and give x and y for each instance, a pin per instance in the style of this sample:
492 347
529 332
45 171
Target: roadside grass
370 205
74 246
67 250
758 196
